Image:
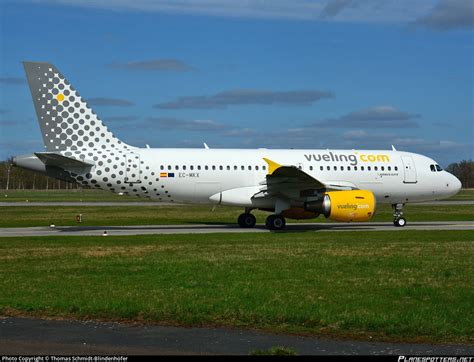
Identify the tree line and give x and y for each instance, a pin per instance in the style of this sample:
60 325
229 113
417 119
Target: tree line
464 171
16 178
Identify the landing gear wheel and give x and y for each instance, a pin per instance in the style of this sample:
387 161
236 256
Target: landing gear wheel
246 220
275 222
400 222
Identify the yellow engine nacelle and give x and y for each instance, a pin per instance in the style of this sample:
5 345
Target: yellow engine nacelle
354 205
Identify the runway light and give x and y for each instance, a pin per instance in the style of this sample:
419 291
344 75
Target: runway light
52 226
79 218
105 233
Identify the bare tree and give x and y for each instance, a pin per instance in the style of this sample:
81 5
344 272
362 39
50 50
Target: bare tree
464 171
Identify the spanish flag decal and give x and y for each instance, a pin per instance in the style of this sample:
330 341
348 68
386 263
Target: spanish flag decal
163 174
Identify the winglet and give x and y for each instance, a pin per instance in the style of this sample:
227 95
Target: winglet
272 166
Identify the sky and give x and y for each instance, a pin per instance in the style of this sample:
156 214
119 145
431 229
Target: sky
345 74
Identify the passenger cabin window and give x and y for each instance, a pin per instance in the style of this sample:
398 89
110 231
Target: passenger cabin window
321 168
191 168
184 167
362 168
264 168
235 167
213 168
396 168
169 167
221 168
206 167
256 168
199 167
375 168
389 168
162 167
242 168
355 168
329 168
228 168
311 168
342 168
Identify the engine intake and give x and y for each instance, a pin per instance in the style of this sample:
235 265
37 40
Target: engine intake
354 205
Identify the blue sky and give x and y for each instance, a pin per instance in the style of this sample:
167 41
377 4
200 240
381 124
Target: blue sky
279 74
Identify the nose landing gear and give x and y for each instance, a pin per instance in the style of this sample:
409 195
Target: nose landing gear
399 220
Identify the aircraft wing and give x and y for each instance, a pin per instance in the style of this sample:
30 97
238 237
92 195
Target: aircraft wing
293 183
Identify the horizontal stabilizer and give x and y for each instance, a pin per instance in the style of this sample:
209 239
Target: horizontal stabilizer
58 160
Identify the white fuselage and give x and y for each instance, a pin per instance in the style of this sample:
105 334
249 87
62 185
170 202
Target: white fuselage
204 175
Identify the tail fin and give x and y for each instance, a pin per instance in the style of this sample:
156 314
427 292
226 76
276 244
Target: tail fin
66 121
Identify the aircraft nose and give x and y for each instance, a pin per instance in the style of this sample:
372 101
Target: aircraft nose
456 184
453 185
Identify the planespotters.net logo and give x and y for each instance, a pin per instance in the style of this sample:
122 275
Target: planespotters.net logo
434 359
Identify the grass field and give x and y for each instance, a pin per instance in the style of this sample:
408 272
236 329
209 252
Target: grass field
418 286
177 214
78 195
106 196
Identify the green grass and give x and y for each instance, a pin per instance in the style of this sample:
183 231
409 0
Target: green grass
106 196
417 286
274 351
463 195
76 195
190 214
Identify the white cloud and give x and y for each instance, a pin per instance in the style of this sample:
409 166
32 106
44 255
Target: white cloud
450 14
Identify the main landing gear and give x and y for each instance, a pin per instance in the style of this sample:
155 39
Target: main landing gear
273 222
246 220
399 220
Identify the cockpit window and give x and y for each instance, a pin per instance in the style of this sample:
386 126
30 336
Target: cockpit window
438 168
433 168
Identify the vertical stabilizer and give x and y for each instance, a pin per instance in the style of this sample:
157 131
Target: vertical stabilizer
67 122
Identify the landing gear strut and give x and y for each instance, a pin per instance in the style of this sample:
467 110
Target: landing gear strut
275 222
399 220
246 220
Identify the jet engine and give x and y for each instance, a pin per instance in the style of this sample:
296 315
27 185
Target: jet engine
354 205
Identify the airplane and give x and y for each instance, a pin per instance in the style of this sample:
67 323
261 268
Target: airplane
342 185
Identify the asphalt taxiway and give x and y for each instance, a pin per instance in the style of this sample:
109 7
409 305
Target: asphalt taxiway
28 336
228 228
